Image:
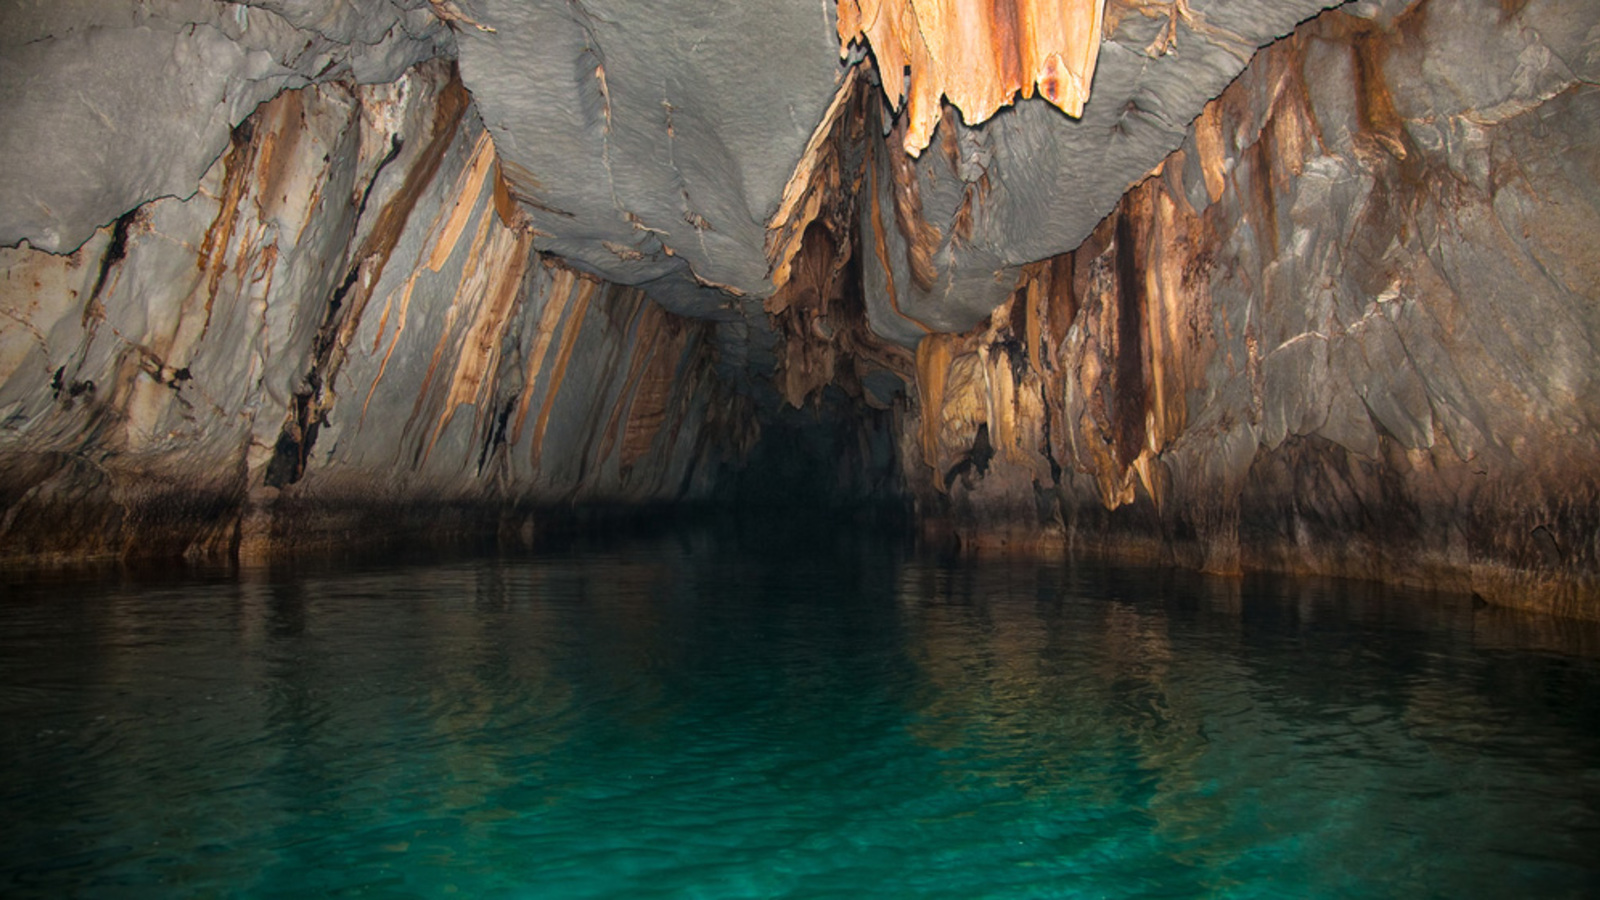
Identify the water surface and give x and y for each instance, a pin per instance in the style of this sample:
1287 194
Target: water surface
707 715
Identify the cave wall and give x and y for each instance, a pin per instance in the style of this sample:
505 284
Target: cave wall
1349 327
345 335
949 230
110 104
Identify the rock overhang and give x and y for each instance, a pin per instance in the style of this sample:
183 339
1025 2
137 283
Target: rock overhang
1345 327
646 146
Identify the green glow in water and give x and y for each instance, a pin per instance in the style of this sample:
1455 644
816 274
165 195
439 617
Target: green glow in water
685 720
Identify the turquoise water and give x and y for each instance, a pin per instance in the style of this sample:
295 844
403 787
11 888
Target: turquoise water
704 716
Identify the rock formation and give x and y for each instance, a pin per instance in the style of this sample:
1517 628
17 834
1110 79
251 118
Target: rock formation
1344 329
284 273
344 332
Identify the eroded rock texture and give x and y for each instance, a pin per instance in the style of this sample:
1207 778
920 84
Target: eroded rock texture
108 105
1350 327
951 229
345 334
649 146
981 55
283 273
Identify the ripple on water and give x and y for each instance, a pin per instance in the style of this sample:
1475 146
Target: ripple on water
676 721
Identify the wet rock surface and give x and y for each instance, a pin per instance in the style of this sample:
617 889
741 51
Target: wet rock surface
648 147
388 267
345 334
109 105
1347 328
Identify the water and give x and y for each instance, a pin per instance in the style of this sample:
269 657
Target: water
700 716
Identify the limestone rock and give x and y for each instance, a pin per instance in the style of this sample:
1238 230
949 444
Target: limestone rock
287 272
979 55
1336 332
109 105
1031 182
344 335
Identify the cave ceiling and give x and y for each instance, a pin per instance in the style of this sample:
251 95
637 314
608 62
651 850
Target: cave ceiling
654 144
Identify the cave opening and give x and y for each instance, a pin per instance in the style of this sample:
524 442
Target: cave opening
833 458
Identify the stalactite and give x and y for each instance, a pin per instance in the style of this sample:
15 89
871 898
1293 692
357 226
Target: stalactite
1261 359
980 54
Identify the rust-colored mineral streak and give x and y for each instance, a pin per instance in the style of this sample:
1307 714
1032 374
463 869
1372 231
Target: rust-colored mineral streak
979 53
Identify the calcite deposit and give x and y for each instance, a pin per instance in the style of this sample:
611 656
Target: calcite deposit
1349 327
1087 278
345 334
980 55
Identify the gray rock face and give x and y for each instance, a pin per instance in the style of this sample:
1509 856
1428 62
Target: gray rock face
108 105
289 272
344 335
649 147
1349 328
652 143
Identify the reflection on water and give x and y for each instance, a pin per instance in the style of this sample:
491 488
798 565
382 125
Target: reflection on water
709 716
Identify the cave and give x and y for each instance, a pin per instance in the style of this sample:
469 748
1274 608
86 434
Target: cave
1280 315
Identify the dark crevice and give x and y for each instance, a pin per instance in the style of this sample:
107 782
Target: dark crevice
115 253
496 435
1128 390
976 461
293 448
1049 447
330 318
73 390
395 146
244 132
1548 549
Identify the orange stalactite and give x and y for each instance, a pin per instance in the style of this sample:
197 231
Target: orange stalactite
817 179
981 54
